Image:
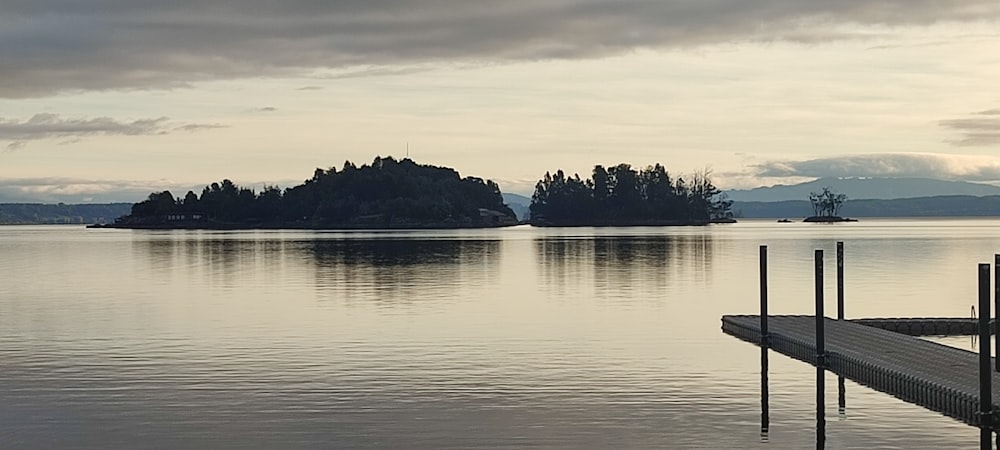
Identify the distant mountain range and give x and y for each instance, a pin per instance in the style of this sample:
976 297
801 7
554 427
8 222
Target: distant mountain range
939 206
864 188
38 213
867 197
519 204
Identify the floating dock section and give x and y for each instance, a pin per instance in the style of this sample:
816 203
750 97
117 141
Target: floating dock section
935 376
927 326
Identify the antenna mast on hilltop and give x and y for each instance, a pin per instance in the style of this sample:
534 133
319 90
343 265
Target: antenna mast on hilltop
407 150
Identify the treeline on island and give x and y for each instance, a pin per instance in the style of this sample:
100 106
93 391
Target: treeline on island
620 195
385 194
403 194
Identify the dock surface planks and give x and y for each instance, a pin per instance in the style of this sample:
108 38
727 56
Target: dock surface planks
937 377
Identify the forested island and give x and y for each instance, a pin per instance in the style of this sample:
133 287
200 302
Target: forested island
390 193
384 194
621 196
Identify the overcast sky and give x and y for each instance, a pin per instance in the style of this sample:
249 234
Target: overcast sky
135 95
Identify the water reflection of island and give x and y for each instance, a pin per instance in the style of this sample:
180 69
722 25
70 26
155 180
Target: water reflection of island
396 269
402 252
351 268
624 264
223 259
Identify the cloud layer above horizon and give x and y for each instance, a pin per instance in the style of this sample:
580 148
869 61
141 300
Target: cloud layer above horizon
948 167
67 45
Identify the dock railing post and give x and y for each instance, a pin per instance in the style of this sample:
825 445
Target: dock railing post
765 341
985 369
820 353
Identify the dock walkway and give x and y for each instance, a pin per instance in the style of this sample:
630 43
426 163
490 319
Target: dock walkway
935 376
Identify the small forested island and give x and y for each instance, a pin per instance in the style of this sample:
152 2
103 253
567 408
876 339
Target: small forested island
385 194
622 196
826 207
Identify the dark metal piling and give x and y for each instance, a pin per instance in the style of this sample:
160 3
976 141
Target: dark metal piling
985 371
765 414
820 355
841 389
820 344
840 280
763 296
996 305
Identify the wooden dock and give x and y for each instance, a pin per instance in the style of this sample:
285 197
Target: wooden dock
935 376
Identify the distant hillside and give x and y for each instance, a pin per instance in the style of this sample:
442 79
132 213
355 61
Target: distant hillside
938 206
865 188
519 204
37 213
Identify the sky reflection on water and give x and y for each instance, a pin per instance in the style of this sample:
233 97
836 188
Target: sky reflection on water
562 338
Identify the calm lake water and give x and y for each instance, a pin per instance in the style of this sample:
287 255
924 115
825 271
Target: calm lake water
517 337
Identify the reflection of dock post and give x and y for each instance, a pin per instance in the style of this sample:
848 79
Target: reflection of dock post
820 414
841 389
841 397
765 414
985 371
820 355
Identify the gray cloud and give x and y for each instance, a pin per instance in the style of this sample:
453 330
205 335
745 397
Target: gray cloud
976 131
968 168
69 45
939 42
369 72
47 126
41 126
192 127
266 109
